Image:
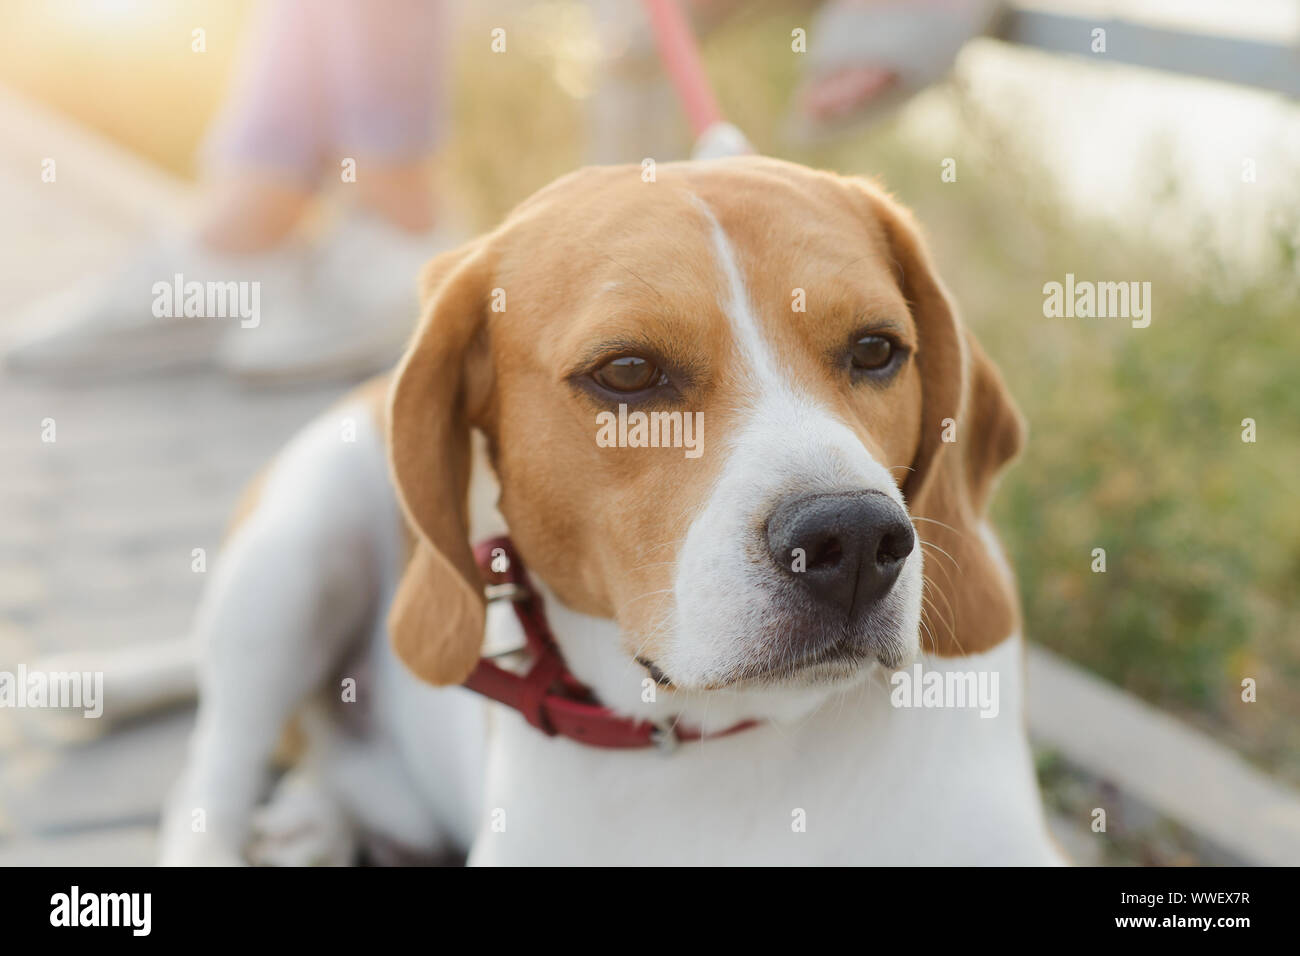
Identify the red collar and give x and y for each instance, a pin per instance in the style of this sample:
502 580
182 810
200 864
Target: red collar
549 697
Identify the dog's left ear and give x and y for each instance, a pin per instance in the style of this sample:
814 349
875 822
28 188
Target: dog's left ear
436 620
970 429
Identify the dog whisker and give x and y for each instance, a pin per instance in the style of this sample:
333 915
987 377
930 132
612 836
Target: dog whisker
931 544
940 524
951 619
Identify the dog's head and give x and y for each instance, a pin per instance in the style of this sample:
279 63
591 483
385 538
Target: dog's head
824 425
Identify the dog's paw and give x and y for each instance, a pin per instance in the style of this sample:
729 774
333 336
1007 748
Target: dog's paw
185 848
303 825
193 833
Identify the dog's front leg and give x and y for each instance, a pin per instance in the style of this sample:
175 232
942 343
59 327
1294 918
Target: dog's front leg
272 626
295 586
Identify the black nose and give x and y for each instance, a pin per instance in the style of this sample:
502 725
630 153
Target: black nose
845 549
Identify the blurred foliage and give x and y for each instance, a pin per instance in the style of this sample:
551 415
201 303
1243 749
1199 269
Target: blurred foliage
1136 443
1135 434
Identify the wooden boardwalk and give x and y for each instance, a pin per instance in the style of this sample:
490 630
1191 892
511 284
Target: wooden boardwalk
99 526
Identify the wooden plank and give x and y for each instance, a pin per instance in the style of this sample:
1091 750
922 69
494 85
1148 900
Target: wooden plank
1169 766
119 780
130 845
102 200
1248 62
108 178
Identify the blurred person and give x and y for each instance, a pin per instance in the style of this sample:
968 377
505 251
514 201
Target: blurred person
864 58
324 83
336 79
868 56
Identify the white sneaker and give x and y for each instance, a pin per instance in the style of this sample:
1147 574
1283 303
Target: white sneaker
359 308
131 320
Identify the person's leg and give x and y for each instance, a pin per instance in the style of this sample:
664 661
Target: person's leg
246 212
381 98
387 85
401 194
325 79
264 153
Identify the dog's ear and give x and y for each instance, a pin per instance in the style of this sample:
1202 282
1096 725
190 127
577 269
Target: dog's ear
970 429
435 622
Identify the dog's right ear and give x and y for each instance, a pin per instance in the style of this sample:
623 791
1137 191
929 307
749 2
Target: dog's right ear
972 604
444 380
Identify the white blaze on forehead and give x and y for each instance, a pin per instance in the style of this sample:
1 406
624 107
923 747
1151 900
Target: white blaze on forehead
779 411
737 307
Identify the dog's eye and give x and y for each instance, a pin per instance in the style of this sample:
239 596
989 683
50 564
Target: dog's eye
629 373
872 352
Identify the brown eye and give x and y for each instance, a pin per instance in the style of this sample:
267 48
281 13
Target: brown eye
628 373
872 352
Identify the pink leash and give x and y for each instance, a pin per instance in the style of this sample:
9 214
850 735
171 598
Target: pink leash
681 58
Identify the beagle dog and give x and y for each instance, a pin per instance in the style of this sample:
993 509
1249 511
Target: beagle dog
756 602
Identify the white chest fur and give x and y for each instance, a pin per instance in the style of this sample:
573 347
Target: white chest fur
858 781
